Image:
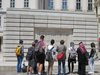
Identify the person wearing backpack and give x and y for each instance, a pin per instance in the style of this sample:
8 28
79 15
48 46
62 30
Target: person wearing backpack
30 57
51 51
71 57
61 49
41 55
20 55
91 58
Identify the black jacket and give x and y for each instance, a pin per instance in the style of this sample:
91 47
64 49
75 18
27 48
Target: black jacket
92 53
81 57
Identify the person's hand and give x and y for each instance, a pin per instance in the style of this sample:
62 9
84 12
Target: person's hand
43 47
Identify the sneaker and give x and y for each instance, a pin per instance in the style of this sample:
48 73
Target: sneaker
91 72
39 74
68 73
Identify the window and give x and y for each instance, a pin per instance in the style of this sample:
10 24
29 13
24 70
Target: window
90 5
78 4
50 4
26 3
64 4
12 3
0 3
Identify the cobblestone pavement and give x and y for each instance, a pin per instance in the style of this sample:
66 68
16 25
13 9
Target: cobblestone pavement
97 71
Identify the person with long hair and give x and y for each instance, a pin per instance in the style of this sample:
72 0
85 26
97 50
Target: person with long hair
91 58
81 51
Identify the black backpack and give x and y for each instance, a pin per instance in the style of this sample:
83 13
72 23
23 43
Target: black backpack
24 68
29 55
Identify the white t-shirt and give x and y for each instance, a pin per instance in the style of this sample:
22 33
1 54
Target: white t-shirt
72 51
53 50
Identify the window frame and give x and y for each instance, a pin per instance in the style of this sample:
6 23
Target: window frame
90 5
64 4
26 3
78 5
12 3
0 3
50 4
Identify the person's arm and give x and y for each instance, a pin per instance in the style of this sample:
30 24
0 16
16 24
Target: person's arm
44 46
77 50
57 49
64 48
22 49
69 49
93 53
54 50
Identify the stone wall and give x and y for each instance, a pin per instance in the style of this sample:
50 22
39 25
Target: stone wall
21 23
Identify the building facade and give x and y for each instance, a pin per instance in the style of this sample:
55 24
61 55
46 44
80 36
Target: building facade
70 20
97 11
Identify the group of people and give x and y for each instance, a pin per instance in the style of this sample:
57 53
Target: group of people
37 54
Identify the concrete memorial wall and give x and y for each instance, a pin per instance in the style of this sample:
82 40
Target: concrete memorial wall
29 24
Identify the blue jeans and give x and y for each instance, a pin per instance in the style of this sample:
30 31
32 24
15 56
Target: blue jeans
19 63
59 66
91 64
22 58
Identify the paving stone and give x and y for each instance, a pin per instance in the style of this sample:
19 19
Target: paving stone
97 71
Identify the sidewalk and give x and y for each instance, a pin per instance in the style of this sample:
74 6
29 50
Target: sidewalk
11 66
55 69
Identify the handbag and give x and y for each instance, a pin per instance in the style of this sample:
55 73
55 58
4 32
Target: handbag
23 67
60 56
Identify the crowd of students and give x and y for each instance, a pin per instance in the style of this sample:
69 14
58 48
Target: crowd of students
37 54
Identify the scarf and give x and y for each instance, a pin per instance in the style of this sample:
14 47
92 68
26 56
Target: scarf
82 48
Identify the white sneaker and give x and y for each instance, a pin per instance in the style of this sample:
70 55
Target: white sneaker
91 72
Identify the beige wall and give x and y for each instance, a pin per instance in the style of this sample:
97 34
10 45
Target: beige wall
97 10
83 26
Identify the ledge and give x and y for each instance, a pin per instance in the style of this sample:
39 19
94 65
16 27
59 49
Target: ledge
49 11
